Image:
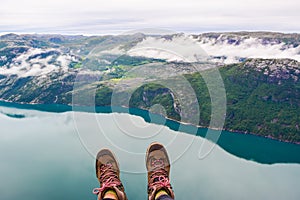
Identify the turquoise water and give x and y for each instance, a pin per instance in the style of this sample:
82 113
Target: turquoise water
250 147
48 155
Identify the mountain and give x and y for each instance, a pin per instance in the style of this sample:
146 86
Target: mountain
263 97
236 47
260 72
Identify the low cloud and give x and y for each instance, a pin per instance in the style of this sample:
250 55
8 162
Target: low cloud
248 48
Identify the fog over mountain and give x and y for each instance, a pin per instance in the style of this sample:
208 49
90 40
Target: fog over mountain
253 68
55 51
234 47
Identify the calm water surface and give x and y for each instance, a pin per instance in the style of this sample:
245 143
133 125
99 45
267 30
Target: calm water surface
51 156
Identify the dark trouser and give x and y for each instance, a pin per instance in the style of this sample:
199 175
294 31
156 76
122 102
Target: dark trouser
164 197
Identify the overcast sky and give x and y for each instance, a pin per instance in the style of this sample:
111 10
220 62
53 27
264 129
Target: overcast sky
117 16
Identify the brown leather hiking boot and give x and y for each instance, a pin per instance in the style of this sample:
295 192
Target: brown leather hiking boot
108 174
158 168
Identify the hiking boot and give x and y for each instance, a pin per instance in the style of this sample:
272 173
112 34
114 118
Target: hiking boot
108 174
158 168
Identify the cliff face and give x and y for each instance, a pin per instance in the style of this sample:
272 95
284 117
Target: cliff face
276 69
264 97
37 90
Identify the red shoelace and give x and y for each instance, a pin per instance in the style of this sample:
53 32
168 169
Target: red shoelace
159 177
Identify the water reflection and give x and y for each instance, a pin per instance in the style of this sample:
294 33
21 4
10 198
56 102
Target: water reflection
42 157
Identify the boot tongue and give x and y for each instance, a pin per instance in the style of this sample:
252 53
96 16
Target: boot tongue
158 163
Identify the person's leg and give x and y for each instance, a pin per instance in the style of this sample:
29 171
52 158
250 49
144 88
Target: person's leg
108 174
164 197
158 168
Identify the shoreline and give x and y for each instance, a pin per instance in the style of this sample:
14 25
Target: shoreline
235 131
167 118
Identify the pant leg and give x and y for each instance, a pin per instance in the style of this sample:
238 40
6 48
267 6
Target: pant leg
164 197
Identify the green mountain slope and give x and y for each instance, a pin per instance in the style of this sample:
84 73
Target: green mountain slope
263 95
263 102
263 98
